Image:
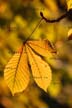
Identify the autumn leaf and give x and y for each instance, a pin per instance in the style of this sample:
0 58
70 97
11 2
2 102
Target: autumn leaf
42 47
70 34
69 4
16 72
40 69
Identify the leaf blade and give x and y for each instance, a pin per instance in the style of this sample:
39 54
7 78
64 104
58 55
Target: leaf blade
40 69
69 4
16 72
42 47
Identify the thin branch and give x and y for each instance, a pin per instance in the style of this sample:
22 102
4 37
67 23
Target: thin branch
55 20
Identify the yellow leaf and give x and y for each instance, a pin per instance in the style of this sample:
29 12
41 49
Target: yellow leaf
16 72
42 47
70 34
69 4
40 69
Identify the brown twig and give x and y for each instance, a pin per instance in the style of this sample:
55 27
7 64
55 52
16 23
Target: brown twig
55 20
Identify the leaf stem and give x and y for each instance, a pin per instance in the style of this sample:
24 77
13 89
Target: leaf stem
33 30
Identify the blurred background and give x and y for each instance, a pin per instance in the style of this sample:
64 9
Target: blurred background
18 18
